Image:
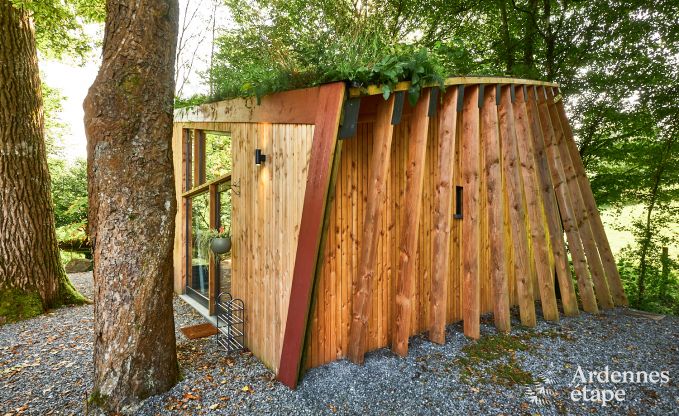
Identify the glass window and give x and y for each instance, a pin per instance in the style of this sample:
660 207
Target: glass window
199 248
217 155
224 220
188 160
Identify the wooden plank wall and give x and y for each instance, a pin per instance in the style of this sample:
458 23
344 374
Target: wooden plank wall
533 237
539 182
267 208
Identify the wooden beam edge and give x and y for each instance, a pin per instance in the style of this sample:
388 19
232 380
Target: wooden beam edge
405 85
410 213
331 97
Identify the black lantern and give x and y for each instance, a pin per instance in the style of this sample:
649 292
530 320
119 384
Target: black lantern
259 157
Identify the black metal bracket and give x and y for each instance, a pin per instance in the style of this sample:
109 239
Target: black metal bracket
482 92
512 92
349 117
433 102
498 94
460 97
525 92
399 99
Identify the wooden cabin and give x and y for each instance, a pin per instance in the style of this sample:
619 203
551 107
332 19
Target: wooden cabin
359 221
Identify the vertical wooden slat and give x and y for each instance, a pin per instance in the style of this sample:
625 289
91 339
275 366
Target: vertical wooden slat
471 205
540 242
497 271
311 225
566 208
323 265
417 151
188 235
569 300
186 160
185 210
612 274
580 211
443 200
591 252
379 165
517 209
457 228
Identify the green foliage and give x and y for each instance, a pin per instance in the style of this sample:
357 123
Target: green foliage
218 160
279 45
60 24
662 292
67 256
658 290
181 102
75 233
205 238
69 193
16 305
54 126
68 180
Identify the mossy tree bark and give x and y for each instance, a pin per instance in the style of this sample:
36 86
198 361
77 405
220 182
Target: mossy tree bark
31 275
128 122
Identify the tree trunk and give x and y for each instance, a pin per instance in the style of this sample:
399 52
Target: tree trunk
550 41
31 275
128 121
506 39
647 236
529 37
665 273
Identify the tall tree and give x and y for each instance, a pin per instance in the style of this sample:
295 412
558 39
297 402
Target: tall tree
128 122
31 275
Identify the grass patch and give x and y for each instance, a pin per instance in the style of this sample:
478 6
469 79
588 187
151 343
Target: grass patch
66 256
494 347
96 400
16 305
492 359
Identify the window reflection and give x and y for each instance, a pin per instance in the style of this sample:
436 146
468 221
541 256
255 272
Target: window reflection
217 155
199 247
224 220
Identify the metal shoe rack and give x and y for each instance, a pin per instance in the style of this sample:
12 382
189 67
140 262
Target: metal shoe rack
230 322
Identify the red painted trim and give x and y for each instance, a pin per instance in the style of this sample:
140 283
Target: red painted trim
326 123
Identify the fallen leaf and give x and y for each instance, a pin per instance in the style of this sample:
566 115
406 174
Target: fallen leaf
189 396
247 389
214 406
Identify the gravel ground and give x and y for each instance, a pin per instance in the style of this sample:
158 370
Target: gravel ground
46 367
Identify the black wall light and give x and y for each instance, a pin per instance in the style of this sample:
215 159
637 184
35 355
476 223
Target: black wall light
458 203
259 157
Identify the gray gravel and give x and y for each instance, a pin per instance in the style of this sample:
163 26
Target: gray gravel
46 367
